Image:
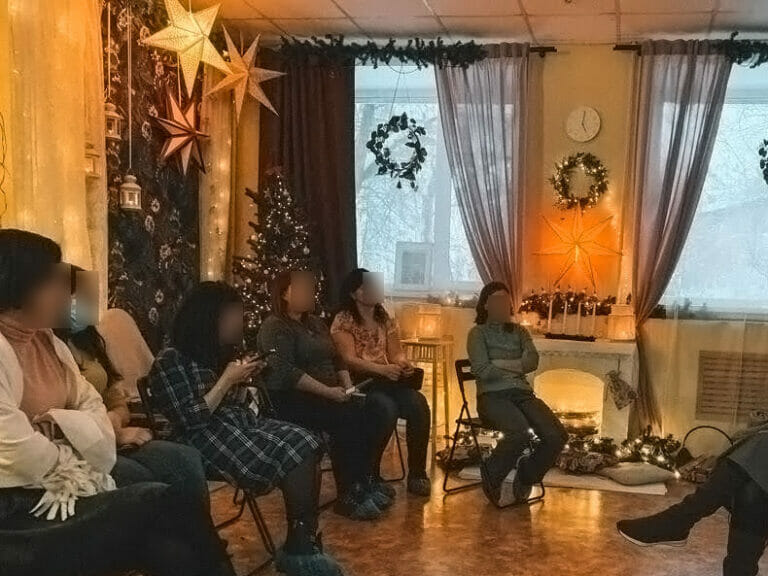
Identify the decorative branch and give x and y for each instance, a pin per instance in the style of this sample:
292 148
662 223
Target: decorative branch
750 52
422 53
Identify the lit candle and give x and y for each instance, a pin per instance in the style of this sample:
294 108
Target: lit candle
549 318
565 314
594 318
578 319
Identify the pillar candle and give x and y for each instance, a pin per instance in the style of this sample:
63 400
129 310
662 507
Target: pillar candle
565 315
594 319
549 318
578 320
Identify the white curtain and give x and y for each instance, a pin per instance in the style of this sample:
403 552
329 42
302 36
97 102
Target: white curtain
53 66
483 111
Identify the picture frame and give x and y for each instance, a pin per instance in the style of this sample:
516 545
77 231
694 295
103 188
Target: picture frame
413 266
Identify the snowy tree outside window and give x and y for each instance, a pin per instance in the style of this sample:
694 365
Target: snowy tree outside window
387 215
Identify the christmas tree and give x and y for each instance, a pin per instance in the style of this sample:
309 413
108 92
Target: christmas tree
280 242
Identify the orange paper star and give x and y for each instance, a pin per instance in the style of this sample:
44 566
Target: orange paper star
578 245
183 135
244 76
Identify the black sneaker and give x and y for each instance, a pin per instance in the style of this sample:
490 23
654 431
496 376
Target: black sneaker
521 492
491 490
662 529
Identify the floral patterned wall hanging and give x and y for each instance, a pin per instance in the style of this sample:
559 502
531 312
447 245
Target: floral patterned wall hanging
154 253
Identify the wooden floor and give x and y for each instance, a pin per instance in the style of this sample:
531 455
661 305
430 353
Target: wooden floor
571 533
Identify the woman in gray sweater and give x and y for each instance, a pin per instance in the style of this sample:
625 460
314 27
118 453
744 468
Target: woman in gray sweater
502 353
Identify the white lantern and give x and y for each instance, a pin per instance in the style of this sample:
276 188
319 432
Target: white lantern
130 193
91 161
113 122
621 322
430 322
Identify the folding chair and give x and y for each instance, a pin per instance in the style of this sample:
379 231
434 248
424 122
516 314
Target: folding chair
248 499
463 375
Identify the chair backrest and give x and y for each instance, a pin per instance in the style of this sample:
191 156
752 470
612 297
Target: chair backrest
126 347
463 374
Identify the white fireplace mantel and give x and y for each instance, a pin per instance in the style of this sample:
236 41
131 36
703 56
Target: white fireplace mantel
596 358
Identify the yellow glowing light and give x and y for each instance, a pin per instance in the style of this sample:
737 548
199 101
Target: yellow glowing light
578 244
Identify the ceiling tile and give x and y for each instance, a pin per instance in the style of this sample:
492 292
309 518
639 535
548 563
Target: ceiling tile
741 21
390 8
254 25
637 26
400 28
503 27
597 29
665 6
317 26
475 7
575 7
743 6
296 8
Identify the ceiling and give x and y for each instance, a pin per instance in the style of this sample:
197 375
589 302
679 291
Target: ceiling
535 21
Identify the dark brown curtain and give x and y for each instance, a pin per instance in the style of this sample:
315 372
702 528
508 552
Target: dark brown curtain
312 142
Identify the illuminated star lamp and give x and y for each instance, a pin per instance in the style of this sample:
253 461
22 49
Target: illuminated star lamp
578 244
187 35
183 136
244 76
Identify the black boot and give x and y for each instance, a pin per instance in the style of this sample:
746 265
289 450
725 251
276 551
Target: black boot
303 553
744 552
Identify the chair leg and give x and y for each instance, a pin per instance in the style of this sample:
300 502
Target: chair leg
237 516
261 525
467 485
400 456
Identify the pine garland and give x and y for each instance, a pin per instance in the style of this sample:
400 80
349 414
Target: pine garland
561 181
539 303
753 53
763 153
422 53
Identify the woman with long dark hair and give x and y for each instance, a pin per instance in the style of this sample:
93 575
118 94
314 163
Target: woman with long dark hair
310 385
368 340
502 353
57 448
196 384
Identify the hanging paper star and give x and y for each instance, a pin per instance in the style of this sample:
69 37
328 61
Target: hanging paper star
187 35
183 135
578 245
244 76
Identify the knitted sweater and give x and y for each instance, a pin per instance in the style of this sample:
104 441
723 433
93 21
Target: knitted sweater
501 356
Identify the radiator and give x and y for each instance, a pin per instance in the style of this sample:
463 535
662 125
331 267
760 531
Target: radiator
731 384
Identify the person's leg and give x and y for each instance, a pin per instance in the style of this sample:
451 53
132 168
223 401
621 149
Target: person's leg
748 531
413 407
499 412
382 412
671 526
552 438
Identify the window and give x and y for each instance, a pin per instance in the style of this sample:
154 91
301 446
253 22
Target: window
388 216
724 264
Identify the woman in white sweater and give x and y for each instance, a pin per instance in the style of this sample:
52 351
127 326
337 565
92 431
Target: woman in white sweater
57 448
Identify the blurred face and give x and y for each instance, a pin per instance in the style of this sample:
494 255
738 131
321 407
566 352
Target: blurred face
49 305
231 325
300 295
371 292
85 301
498 307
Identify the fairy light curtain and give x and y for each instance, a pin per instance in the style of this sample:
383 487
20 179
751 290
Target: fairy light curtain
53 72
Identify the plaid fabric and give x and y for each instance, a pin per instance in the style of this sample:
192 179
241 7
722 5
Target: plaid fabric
254 452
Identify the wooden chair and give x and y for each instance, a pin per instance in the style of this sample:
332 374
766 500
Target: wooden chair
474 424
249 497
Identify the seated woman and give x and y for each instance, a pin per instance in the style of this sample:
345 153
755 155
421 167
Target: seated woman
196 384
140 458
369 342
502 353
57 447
309 385
739 482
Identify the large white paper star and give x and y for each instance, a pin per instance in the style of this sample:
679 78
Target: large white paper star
244 76
187 35
183 135
578 245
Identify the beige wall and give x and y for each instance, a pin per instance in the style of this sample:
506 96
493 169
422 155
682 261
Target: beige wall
5 102
595 76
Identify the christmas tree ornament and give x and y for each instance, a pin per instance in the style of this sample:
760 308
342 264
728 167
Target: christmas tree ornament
244 76
578 244
187 35
183 135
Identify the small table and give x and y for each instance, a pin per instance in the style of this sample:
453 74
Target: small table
435 352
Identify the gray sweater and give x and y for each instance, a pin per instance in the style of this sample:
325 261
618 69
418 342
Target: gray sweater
501 356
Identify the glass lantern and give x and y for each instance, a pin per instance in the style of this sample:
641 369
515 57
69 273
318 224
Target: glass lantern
621 323
130 193
91 161
430 322
113 121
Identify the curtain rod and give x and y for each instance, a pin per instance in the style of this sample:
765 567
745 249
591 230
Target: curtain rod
627 47
542 50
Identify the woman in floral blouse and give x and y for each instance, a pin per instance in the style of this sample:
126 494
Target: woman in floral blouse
368 340
195 384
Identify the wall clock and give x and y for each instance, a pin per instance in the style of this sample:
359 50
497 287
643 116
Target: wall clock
583 124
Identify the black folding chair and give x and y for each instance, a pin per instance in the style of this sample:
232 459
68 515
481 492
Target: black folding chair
249 497
474 424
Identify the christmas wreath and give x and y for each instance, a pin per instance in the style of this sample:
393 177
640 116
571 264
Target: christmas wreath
763 152
383 156
561 181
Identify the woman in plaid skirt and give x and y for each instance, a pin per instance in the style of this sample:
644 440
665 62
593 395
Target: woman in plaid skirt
197 383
